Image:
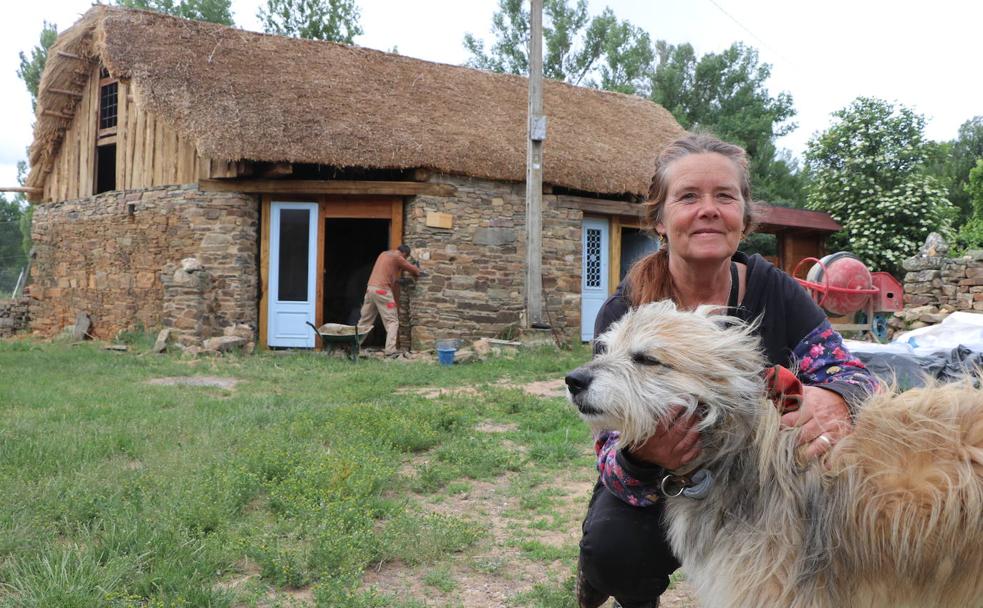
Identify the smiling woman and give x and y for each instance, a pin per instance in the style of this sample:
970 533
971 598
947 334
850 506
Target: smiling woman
700 205
703 220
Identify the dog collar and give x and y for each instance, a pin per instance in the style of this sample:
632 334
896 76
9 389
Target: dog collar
696 485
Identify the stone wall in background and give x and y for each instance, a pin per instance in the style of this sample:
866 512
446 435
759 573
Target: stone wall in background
115 256
936 285
476 286
14 316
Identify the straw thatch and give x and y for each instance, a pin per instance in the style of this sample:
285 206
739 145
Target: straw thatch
242 95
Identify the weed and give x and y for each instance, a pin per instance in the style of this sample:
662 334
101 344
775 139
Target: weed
426 539
440 578
548 596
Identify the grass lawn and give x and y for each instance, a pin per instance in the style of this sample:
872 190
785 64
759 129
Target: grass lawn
308 481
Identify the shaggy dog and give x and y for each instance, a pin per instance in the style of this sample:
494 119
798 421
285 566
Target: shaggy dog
892 516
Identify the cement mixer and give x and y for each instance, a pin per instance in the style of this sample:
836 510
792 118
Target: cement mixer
854 298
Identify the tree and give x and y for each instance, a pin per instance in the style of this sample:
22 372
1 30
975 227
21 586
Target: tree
334 20
600 52
965 151
12 257
215 11
27 210
868 173
30 70
971 232
725 93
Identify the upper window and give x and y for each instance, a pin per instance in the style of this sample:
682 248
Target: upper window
108 105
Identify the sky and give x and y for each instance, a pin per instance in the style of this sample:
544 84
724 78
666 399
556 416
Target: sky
825 54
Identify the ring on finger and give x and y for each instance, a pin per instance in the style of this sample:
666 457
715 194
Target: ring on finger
825 439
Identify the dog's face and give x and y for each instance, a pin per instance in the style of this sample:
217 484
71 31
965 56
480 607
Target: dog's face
657 357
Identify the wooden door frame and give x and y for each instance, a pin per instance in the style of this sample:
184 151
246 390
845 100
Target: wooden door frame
329 207
617 222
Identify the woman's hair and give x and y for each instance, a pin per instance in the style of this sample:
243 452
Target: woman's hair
649 279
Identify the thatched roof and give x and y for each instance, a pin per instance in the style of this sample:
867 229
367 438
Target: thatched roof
243 95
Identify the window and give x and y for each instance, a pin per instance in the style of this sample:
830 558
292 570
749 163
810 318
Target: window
105 165
107 106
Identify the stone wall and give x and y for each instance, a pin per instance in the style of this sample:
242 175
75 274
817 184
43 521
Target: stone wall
108 254
476 286
952 283
13 316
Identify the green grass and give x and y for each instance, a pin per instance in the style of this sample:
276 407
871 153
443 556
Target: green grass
306 475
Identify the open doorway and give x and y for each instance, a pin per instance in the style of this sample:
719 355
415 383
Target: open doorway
350 249
635 244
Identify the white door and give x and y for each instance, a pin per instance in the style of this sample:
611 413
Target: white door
594 274
293 280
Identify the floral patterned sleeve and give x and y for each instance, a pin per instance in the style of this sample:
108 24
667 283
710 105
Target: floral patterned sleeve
635 483
823 360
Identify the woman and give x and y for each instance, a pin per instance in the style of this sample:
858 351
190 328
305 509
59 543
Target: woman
700 206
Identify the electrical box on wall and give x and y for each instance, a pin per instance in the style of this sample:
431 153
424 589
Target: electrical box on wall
436 219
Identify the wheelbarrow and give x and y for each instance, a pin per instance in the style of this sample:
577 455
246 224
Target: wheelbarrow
843 287
335 334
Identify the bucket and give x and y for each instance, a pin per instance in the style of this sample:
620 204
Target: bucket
446 355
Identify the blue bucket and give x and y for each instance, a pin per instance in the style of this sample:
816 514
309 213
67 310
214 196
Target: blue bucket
446 355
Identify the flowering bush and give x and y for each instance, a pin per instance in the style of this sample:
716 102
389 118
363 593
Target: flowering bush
867 174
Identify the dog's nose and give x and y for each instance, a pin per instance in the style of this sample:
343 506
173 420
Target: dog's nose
578 380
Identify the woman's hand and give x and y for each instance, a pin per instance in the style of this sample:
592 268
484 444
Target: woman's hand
823 419
675 442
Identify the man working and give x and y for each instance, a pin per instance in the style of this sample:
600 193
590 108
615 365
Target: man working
380 295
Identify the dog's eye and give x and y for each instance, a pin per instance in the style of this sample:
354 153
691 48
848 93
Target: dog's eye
645 359
600 348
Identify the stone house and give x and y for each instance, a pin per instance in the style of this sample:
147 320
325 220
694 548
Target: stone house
199 177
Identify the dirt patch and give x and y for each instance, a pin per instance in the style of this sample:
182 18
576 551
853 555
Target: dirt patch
492 573
434 392
526 524
680 595
216 381
495 427
543 388
486 576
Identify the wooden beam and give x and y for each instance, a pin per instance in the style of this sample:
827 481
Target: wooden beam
68 55
57 114
264 269
23 189
314 186
614 264
74 94
601 206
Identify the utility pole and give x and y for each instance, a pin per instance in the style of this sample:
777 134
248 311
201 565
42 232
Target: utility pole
534 172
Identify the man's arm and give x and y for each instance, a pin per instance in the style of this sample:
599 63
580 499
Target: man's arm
405 265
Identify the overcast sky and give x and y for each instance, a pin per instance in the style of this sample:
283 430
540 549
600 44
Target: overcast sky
922 54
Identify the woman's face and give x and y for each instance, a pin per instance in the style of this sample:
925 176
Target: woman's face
703 215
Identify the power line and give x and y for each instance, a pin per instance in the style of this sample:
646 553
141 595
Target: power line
748 30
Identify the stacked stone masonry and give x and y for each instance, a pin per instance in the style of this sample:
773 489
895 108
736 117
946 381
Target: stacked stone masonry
111 255
952 283
13 316
477 267
188 260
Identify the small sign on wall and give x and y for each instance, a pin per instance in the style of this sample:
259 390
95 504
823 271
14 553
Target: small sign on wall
436 219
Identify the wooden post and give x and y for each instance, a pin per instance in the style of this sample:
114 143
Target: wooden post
534 171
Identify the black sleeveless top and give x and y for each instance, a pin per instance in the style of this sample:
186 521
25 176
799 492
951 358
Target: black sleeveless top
787 312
